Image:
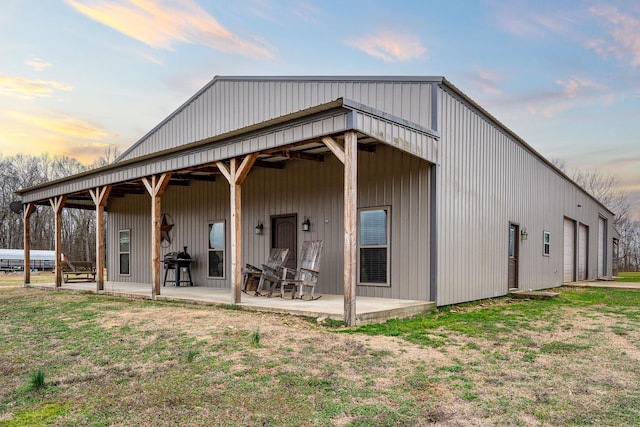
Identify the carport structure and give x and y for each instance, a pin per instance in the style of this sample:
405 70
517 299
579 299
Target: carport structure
194 153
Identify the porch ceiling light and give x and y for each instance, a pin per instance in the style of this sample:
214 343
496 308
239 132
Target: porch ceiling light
306 224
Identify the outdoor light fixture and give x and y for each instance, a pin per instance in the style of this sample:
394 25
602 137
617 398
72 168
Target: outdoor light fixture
524 234
259 228
306 225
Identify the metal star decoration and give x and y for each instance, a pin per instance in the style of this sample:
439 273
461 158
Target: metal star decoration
165 228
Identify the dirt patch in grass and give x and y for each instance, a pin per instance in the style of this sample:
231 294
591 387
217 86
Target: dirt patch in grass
122 362
277 329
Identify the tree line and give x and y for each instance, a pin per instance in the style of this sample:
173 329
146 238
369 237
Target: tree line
78 226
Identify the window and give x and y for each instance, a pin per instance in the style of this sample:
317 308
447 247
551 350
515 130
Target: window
216 249
373 246
546 243
512 240
125 251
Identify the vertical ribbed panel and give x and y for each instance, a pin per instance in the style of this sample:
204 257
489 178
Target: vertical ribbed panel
488 180
315 190
387 177
228 105
192 208
138 220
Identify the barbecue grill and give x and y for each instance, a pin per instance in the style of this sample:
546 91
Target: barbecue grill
177 261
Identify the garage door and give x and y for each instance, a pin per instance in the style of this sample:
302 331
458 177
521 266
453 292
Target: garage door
583 243
569 251
601 246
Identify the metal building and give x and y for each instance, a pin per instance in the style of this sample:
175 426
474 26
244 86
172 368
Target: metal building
13 260
416 191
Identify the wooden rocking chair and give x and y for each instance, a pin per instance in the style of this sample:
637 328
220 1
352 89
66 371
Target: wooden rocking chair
307 273
277 257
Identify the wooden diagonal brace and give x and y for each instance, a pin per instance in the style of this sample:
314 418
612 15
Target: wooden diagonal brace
335 148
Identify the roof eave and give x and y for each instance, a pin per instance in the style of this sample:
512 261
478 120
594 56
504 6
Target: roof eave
338 103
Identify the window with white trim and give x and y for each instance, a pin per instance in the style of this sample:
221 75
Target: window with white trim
546 243
216 249
373 246
124 251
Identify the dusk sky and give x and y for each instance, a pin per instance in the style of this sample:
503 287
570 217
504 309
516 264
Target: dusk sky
77 76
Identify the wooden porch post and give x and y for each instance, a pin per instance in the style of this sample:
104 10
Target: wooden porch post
236 175
57 203
350 225
99 196
349 156
155 185
26 216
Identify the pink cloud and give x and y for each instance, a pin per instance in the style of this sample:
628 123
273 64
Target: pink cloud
572 93
165 23
577 86
538 22
487 82
390 46
37 64
624 32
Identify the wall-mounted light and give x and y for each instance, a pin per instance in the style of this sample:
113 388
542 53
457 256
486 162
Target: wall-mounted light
259 228
524 234
306 224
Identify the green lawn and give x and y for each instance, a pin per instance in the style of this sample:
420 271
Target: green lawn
628 277
87 360
17 279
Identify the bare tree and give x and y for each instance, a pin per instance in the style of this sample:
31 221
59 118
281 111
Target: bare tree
111 153
604 187
78 226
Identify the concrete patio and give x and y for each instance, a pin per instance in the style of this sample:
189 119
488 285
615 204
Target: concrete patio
368 310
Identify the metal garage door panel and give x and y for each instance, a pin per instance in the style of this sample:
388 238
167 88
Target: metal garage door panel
600 247
569 251
583 243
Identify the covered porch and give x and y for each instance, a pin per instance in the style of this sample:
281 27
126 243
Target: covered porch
338 130
368 310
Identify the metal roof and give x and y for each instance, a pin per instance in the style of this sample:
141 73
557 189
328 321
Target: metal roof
339 103
18 254
421 79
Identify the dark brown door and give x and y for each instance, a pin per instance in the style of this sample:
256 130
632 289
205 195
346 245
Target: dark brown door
284 234
513 256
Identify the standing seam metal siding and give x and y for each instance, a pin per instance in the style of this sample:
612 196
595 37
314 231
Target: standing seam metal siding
487 180
181 203
228 105
138 220
387 177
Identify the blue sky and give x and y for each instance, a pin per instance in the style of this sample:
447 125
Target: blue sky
79 75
